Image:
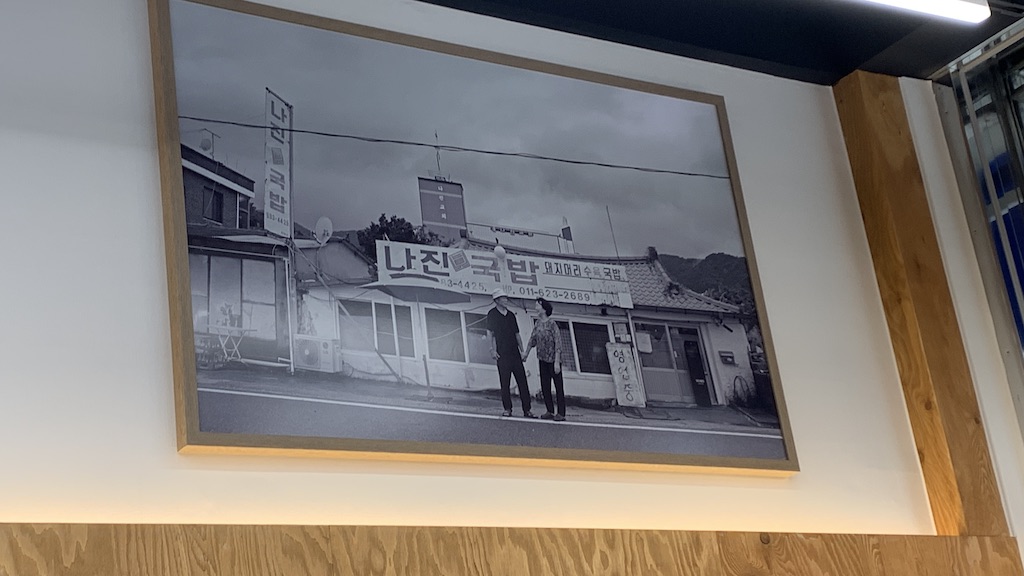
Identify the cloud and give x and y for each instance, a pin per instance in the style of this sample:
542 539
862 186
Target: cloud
343 84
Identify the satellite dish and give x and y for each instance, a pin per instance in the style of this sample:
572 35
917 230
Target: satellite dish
208 141
323 230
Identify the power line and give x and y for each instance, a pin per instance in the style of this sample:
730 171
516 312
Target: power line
448 148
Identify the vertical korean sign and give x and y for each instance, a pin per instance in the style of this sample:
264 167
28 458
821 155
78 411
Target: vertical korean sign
277 200
628 389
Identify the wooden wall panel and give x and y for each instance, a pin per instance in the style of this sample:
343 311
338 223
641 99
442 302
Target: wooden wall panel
797 554
146 550
68 550
522 551
744 553
258 550
930 354
992 556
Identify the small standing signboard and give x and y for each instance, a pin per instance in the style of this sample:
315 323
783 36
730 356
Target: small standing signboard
628 390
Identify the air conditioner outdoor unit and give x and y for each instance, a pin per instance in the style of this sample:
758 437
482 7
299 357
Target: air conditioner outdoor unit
316 354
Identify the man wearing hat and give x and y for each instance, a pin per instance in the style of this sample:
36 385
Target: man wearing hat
507 350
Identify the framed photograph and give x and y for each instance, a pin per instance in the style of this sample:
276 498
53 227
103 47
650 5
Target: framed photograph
385 246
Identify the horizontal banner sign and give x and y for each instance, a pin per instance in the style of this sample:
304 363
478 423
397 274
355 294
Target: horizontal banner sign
482 271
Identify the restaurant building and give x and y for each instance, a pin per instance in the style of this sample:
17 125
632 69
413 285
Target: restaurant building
424 321
418 314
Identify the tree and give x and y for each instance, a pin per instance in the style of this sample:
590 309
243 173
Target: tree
395 229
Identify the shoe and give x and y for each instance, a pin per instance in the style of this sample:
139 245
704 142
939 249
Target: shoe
559 418
547 416
507 414
528 414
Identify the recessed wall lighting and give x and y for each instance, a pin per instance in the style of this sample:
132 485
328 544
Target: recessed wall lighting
972 11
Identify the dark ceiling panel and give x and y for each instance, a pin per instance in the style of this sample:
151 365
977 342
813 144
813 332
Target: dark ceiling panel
816 41
932 46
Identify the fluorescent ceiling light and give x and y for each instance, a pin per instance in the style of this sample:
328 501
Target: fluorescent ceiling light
972 11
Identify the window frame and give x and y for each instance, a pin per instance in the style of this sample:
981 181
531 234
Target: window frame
240 202
465 338
376 329
412 330
214 200
462 332
341 317
575 344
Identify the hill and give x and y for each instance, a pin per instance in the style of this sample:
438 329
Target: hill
720 276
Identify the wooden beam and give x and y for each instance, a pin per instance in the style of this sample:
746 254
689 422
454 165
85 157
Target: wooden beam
922 321
187 550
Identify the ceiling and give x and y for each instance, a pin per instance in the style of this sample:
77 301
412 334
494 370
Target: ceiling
817 41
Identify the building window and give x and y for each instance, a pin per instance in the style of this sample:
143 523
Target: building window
199 275
234 293
568 357
369 326
259 299
403 319
385 329
355 320
444 335
213 205
590 350
476 335
243 212
225 292
660 355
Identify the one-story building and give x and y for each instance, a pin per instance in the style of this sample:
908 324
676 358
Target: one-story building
691 348
328 307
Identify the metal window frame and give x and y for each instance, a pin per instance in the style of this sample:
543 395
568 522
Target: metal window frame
575 344
1009 341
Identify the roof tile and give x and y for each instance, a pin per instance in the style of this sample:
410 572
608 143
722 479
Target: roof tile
649 284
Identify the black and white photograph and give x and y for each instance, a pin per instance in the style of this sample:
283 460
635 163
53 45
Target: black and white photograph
444 252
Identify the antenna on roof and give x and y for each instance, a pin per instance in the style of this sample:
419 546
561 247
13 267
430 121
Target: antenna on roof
437 152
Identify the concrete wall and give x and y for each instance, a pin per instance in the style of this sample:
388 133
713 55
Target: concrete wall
194 185
729 379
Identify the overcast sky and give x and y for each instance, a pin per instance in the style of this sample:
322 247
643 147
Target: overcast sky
343 84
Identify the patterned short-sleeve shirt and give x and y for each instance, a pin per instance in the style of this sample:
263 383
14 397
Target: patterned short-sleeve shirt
546 338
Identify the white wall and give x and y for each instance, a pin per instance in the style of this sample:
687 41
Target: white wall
88 424
729 379
973 311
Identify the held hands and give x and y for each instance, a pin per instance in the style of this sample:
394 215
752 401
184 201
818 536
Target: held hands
495 355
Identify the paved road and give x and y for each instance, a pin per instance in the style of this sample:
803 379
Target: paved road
275 414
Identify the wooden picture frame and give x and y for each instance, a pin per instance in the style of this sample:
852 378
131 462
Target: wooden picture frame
191 436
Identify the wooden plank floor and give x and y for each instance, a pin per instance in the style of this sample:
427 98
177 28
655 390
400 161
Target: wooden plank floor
116 550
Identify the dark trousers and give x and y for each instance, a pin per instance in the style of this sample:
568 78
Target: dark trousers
547 374
506 368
